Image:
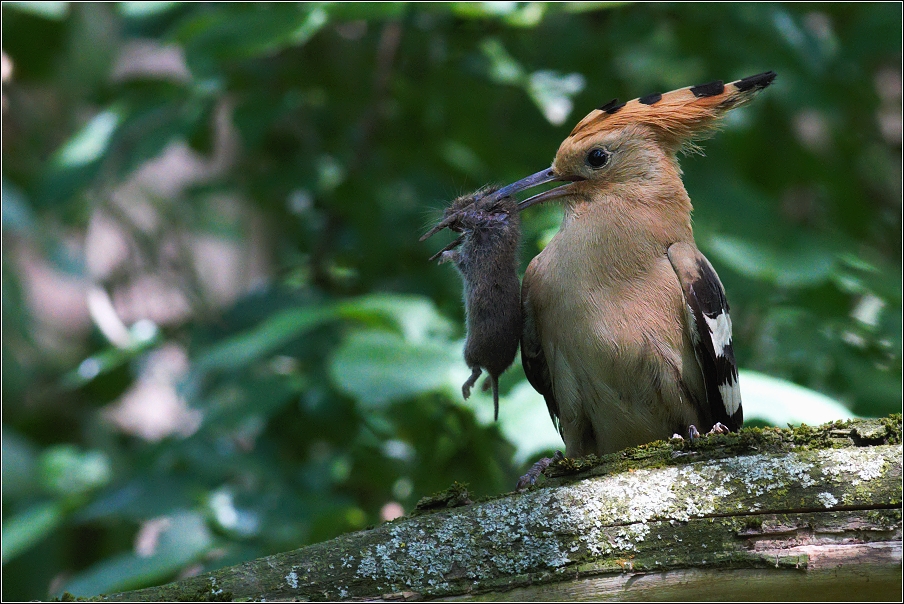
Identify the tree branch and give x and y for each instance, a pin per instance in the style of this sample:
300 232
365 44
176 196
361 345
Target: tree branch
807 513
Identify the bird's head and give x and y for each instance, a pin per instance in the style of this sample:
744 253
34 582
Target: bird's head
627 142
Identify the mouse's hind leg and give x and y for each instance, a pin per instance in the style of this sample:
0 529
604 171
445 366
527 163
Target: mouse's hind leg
466 387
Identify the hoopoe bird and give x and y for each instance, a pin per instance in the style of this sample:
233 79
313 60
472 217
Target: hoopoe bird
626 327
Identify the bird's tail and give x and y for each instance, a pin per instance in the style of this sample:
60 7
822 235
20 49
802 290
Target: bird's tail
680 116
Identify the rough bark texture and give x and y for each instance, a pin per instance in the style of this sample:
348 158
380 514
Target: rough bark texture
802 514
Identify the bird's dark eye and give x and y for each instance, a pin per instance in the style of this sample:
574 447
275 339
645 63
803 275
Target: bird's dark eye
597 158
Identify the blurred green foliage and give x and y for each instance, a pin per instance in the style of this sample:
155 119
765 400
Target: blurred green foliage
312 357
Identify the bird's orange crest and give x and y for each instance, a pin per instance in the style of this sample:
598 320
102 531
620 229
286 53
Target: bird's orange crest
680 115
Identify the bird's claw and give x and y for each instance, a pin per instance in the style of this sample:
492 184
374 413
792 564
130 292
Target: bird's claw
719 428
530 478
693 433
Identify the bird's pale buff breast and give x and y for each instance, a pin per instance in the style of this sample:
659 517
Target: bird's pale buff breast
610 383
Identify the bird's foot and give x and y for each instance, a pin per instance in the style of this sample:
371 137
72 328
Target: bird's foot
530 479
693 433
719 428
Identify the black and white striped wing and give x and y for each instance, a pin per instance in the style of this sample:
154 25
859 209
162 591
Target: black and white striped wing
710 326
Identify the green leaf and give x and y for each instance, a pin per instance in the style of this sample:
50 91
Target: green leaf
49 10
19 462
91 142
581 7
146 9
76 163
878 391
152 126
67 471
144 336
259 341
27 528
529 14
802 264
415 316
241 32
549 90
553 92
504 69
146 496
377 367
17 216
185 539
779 402
516 14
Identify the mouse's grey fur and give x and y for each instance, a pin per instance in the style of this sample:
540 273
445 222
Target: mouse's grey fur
487 259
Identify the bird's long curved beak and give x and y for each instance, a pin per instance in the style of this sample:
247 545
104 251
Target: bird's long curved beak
535 180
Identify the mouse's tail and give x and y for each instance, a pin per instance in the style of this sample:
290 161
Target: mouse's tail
493 381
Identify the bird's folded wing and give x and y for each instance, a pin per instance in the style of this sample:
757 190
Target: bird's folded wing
532 358
710 326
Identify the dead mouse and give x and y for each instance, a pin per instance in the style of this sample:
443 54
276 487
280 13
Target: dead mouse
486 256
